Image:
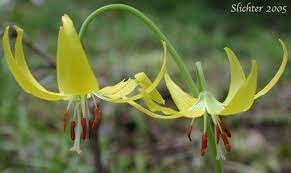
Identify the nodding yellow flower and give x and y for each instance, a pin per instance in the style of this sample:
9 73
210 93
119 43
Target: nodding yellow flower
241 96
76 81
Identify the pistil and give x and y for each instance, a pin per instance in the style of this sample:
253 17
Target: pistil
82 122
218 133
66 115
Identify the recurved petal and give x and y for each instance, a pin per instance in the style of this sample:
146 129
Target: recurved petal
110 90
144 82
120 90
245 96
277 76
150 87
101 93
20 70
182 100
152 114
155 107
237 75
74 73
196 110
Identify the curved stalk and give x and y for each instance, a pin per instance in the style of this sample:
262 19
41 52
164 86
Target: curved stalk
176 57
152 27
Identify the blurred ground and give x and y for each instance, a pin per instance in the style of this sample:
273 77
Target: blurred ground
31 136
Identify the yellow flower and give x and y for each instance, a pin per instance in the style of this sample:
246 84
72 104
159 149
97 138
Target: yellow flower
240 98
76 81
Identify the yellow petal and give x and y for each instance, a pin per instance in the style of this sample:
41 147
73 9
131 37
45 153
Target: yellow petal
182 100
148 90
154 107
20 71
110 90
194 111
145 82
277 76
74 73
159 77
151 114
118 92
245 96
213 106
20 58
237 75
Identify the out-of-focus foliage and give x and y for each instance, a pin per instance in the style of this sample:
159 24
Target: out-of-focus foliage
31 137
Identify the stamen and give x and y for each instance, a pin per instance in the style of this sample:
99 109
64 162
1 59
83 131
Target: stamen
225 141
218 133
203 144
73 124
189 131
83 122
66 114
90 128
97 117
225 129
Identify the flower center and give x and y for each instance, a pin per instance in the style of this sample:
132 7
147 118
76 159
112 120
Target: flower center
83 121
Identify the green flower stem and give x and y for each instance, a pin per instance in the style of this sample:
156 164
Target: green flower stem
183 70
211 141
200 77
153 27
202 86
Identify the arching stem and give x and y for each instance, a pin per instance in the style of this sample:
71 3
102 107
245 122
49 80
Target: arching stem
152 27
176 57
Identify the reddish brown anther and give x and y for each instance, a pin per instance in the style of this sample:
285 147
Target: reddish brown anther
66 114
73 124
203 144
189 132
225 141
225 129
90 128
83 123
97 117
218 133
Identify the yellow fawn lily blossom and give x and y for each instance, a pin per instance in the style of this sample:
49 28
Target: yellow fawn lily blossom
240 98
76 81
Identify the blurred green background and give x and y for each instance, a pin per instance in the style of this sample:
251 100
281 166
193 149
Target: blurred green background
119 45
